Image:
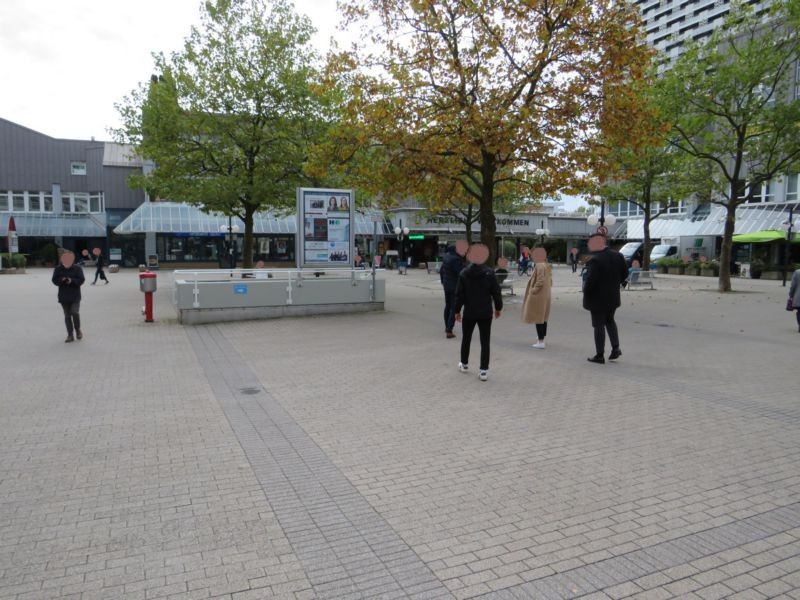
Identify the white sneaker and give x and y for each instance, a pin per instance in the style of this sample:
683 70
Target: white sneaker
539 345
483 375
462 367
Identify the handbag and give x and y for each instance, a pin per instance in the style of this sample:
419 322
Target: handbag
790 304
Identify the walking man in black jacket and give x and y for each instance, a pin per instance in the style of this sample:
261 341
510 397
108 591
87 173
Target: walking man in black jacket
69 278
606 271
100 262
477 289
452 264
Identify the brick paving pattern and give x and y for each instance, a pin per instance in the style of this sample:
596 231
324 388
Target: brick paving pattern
345 456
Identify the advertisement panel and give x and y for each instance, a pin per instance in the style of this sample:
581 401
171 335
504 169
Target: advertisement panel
326 218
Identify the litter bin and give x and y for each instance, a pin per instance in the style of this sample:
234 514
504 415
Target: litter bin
147 285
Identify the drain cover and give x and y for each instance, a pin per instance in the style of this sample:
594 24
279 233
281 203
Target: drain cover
250 391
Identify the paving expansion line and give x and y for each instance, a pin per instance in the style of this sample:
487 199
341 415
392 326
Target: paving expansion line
346 548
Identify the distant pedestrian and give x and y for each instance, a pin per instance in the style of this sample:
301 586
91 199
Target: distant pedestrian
99 264
477 290
573 259
536 305
794 295
69 278
605 271
451 267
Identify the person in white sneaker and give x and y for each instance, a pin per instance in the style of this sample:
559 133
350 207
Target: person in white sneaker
536 305
477 291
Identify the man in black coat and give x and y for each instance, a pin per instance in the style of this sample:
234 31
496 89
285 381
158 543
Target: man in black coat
477 292
606 271
452 264
69 278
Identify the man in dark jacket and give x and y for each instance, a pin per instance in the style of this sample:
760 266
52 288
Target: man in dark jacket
606 271
69 278
452 264
100 262
476 291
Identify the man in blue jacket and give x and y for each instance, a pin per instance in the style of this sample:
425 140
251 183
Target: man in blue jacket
452 264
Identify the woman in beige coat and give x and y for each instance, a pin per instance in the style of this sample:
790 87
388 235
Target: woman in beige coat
536 306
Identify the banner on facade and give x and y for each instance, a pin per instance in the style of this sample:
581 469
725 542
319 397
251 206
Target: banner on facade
326 218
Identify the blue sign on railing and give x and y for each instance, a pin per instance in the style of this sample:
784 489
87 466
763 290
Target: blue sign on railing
240 289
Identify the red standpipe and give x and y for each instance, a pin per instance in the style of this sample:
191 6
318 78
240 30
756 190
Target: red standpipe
148 307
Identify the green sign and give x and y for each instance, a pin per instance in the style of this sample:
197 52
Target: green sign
416 237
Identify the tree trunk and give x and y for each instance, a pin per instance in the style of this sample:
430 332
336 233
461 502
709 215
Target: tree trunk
469 222
646 251
247 252
488 223
727 247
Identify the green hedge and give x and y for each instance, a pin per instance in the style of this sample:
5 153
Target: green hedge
19 261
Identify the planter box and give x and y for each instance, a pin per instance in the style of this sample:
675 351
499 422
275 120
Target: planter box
692 271
774 275
708 273
675 270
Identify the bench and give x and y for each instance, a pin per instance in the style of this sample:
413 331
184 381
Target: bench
506 283
641 279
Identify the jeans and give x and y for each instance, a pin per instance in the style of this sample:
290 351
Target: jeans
449 312
485 330
72 317
541 330
602 321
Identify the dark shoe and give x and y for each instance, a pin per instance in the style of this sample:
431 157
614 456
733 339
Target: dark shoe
615 354
69 339
597 358
106 281
94 282
79 334
450 334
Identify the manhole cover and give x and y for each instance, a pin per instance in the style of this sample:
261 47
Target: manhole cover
663 325
249 391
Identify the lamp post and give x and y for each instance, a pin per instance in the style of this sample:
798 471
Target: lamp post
788 226
593 219
401 233
542 232
230 229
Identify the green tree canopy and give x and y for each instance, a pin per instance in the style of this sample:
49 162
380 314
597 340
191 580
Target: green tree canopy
229 118
736 111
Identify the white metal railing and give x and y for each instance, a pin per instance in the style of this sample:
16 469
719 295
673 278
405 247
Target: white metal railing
293 278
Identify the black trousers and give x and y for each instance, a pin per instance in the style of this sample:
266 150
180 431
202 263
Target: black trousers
449 312
99 273
485 330
541 330
797 312
602 321
574 267
72 317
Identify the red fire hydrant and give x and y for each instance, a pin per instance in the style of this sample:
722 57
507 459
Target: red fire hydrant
147 284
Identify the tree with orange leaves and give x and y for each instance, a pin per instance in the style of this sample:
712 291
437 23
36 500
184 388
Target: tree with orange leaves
500 97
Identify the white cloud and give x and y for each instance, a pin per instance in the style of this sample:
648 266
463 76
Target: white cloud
63 65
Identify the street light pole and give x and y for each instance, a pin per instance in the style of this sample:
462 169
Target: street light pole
788 250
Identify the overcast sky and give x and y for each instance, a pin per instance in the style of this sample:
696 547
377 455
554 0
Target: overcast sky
64 63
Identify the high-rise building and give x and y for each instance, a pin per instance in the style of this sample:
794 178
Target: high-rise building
670 24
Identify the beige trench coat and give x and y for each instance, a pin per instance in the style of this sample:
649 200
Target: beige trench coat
536 306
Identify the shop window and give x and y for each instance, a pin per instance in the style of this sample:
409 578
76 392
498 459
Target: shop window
18 201
96 202
34 202
80 203
78 168
791 188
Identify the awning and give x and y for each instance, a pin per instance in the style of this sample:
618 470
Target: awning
56 225
180 218
768 235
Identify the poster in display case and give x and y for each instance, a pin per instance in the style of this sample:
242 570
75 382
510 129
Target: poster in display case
326 220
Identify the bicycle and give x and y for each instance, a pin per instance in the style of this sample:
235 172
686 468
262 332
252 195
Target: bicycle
525 269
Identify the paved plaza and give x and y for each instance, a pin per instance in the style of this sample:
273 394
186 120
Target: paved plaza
346 457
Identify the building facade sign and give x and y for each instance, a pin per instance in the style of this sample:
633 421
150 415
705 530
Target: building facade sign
507 224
